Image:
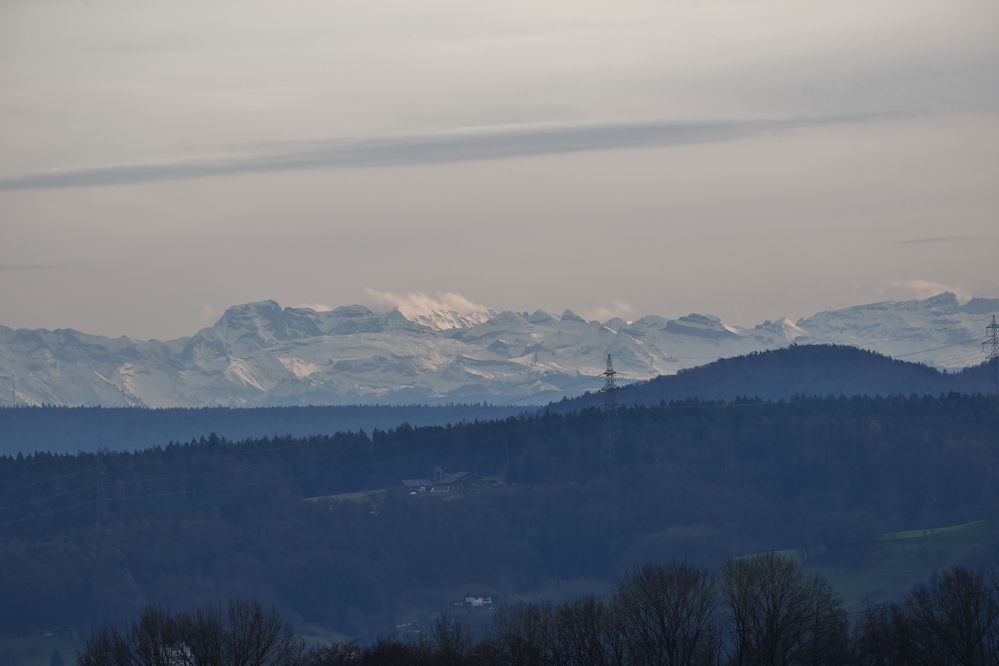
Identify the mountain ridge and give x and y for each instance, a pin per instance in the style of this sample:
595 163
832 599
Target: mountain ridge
794 372
260 353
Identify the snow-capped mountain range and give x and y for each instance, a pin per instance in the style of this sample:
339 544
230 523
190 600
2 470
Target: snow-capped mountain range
263 354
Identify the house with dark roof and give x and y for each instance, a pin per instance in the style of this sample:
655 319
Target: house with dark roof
444 482
417 485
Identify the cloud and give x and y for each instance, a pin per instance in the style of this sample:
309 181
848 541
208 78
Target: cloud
420 303
604 313
918 288
412 150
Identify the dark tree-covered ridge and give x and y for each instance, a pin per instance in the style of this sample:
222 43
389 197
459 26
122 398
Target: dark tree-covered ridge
94 536
799 370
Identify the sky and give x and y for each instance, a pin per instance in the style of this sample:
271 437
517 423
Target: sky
162 160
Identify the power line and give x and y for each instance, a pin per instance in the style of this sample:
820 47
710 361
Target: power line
47 480
13 395
609 376
611 434
932 349
326 458
346 454
411 455
611 426
299 443
49 498
267 482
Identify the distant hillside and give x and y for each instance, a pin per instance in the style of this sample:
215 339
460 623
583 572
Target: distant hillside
323 528
797 370
75 429
811 370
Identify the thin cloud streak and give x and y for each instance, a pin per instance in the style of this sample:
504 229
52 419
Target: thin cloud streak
417 150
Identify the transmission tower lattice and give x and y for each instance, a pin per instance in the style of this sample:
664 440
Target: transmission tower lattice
612 426
991 345
609 375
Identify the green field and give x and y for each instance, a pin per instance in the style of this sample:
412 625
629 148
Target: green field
898 562
901 560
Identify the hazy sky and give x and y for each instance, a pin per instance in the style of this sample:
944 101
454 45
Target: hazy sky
160 160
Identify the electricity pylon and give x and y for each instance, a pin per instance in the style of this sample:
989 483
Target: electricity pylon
612 426
991 346
610 385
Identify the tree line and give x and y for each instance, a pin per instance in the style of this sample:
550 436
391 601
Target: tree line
798 370
762 610
96 536
61 429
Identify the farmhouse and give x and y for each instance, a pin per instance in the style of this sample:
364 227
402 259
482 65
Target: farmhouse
444 482
417 485
475 601
454 483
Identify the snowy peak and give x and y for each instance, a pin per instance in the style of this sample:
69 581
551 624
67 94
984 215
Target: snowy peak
263 354
443 320
615 324
936 330
705 326
782 330
397 321
350 320
942 302
351 312
251 326
540 317
266 322
981 306
644 325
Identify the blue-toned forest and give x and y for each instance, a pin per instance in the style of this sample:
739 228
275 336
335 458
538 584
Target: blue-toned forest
323 528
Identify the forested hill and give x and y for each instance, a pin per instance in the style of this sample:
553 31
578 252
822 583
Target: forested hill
798 370
75 429
91 537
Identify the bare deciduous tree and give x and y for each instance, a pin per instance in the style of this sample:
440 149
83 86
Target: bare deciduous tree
952 620
345 653
451 641
779 615
523 634
956 618
669 615
106 647
238 634
578 634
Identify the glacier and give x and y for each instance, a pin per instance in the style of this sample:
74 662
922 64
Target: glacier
263 354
